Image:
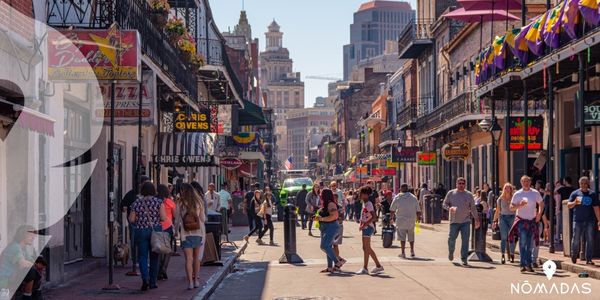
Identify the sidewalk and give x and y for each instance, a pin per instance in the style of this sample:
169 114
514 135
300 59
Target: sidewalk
562 262
89 286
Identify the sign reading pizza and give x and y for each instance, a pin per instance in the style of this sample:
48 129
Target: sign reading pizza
426 158
89 55
193 121
535 133
456 151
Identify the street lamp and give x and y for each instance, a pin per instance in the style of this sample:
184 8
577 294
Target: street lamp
495 130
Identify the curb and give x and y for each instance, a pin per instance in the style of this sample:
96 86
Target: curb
216 279
563 265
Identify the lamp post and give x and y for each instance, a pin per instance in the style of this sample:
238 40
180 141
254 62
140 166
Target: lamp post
495 130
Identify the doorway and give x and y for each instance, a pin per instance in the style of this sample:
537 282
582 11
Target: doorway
569 162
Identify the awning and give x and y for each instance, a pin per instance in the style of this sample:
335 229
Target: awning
252 114
192 149
36 121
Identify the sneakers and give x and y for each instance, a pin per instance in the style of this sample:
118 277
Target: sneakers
403 255
574 259
591 263
412 254
190 286
196 283
523 269
465 262
362 271
272 243
340 263
377 270
260 241
451 256
246 238
530 269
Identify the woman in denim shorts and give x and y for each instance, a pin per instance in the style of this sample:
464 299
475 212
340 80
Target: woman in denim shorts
191 202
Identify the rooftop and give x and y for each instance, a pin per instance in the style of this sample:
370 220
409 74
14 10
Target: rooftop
384 5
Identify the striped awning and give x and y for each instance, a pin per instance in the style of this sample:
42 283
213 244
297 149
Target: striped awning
186 149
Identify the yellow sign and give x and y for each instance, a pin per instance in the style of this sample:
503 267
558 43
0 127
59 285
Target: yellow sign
391 164
361 170
193 122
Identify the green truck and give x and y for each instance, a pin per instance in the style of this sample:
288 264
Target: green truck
291 187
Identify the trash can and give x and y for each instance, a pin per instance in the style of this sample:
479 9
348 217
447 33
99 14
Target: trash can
432 207
213 225
387 234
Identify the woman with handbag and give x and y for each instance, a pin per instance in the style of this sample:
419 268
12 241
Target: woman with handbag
504 219
190 222
257 214
146 214
267 209
329 226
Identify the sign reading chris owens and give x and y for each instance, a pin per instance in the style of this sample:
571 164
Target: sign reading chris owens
193 121
183 160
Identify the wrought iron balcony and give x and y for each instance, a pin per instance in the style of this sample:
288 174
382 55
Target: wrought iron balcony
212 49
128 14
387 134
457 107
424 106
415 38
407 117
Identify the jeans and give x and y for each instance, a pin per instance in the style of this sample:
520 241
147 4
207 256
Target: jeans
258 225
525 242
303 218
579 229
310 221
329 231
142 241
506 222
535 250
268 226
348 212
250 222
464 229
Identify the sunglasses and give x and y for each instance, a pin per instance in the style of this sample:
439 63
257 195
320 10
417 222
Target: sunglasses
462 183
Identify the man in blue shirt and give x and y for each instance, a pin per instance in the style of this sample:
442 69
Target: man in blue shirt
586 216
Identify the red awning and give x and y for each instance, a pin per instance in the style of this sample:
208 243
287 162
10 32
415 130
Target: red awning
36 121
473 16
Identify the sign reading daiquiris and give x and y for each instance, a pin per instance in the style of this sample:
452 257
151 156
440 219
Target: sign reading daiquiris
110 54
456 151
193 121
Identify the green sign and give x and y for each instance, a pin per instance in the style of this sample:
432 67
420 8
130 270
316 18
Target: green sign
426 158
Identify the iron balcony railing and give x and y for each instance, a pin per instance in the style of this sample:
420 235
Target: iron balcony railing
407 116
424 106
134 14
212 49
387 134
419 29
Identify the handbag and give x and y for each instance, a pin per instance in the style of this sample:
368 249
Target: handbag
496 234
160 242
262 211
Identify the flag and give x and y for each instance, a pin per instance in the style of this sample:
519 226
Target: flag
570 18
499 52
533 38
589 11
289 163
552 28
520 49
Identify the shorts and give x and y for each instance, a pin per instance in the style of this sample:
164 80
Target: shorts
339 236
192 242
368 231
403 233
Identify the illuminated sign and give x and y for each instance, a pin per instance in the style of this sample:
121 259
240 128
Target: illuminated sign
456 151
535 130
193 121
426 158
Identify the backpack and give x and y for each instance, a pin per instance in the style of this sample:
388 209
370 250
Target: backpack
191 221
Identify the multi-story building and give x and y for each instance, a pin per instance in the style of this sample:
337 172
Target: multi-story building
282 86
375 22
305 127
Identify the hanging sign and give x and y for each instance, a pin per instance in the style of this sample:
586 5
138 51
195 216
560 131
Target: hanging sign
456 151
230 163
383 172
535 133
193 121
184 160
90 55
127 101
426 158
390 164
591 109
405 154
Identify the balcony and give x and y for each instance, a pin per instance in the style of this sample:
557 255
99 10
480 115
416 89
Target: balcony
407 117
455 108
212 49
387 134
415 38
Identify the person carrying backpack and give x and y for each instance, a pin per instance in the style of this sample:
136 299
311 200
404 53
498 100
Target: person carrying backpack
190 222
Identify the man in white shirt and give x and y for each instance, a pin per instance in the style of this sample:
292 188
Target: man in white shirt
212 198
406 210
225 197
524 202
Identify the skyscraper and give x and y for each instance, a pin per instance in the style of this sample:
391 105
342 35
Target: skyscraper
375 23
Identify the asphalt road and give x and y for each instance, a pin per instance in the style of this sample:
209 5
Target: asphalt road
259 275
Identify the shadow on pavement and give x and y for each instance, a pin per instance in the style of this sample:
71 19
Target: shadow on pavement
473 267
419 259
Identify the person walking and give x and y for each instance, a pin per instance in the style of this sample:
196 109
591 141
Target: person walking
405 211
301 203
167 226
329 227
461 206
339 237
586 219
312 204
526 221
254 209
268 212
190 220
226 200
357 206
247 203
126 202
504 219
214 201
146 214
367 227
349 205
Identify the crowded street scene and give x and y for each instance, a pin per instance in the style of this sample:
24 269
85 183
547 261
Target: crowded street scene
279 149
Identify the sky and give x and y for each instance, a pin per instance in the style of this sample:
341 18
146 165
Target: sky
314 31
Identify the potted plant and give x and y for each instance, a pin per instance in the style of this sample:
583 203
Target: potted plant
186 46
197 61
175 28
159 12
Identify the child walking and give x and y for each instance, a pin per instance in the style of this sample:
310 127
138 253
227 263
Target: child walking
367 226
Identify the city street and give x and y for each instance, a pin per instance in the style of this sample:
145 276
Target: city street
258 274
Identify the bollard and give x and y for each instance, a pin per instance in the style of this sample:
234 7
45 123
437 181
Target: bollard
479 236
289 235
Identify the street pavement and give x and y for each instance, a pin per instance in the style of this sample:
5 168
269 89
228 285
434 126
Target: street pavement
259 275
